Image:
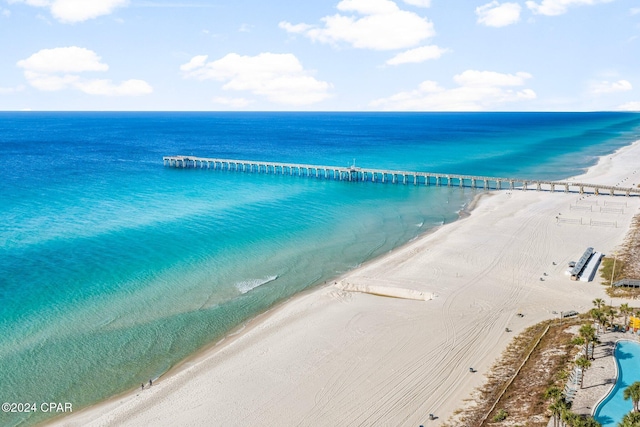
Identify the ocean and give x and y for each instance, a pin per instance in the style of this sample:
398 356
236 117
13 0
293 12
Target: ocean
114 268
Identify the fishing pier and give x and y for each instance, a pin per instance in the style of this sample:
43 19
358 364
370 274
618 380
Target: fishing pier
357 174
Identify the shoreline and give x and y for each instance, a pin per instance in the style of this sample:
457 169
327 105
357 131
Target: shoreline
248 325
315 306
251 323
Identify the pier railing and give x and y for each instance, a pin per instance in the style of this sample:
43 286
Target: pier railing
357 174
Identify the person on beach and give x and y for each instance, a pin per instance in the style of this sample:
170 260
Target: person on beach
150 383
142 386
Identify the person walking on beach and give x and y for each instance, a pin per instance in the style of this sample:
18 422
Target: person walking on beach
142 386
150 383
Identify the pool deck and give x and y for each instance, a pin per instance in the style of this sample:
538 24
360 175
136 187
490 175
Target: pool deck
601 376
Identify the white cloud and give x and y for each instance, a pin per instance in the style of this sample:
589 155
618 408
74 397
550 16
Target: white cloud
558 7
7 90
104 87
195 62
381 26
58 69
495 14
473 78
477 91
44 19
368 7
49 82
63 59
419 3
5 12
280 78
232 102
630 106
417 55
70 11
38 3
605 87
297 28
635 10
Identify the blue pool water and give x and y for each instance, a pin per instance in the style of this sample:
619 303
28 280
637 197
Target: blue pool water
114 268
611 410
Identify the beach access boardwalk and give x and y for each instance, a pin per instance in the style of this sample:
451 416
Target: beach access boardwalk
357 174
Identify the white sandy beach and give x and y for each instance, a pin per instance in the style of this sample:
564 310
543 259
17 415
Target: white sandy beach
339 357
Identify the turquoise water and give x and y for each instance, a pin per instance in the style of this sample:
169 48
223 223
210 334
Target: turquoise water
611 410
114 268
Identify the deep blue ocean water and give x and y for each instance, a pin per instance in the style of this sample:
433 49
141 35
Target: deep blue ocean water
114 268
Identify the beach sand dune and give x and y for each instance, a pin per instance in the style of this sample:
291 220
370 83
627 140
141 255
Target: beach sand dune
346 355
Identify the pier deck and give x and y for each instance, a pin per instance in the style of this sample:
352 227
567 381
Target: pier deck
356 174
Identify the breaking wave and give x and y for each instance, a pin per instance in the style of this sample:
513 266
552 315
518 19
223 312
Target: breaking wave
248 285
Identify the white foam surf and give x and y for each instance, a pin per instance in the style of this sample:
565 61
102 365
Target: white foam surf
248 285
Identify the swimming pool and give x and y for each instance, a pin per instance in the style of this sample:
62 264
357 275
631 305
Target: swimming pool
611 410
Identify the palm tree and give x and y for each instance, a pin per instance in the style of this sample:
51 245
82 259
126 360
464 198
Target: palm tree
590 422
601 319
596 315
625 310
569 418
595 342
572 419
632 419
558 408
611 312
552 393
588 334
633 392
584 364
598 302
581 342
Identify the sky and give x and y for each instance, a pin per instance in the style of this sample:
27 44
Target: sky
320 55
